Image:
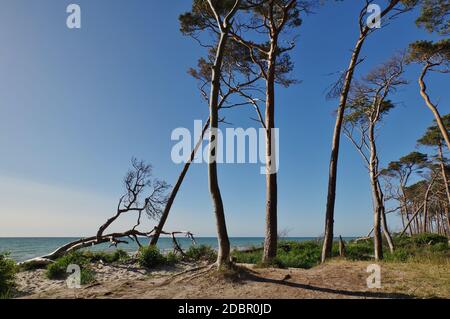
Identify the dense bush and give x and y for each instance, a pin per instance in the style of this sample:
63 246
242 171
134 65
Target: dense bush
253 256
429 239
107 257
361 250
420 248
201 253
7 275
150 257
290 254
172 258
58 269
425 247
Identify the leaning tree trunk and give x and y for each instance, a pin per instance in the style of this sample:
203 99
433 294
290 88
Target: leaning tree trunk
432 107
223 257
386 231
444 174
425 208
411 221
384 222
176 188
270 243
377 197
447 212
332 175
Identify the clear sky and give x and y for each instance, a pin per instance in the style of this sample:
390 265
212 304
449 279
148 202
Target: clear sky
76 105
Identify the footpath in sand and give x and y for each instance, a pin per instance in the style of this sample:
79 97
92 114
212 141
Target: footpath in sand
336 279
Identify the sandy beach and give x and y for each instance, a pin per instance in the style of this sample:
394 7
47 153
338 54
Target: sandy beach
336 280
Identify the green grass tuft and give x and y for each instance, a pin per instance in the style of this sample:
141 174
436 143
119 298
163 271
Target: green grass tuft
58 269
150 257
8 271
289 255
201 253
429 248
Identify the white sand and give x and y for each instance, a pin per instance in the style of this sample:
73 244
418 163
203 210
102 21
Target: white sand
35 281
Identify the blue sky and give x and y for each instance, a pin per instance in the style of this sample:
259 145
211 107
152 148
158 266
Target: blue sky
76 105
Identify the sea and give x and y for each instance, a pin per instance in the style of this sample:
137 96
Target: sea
21 249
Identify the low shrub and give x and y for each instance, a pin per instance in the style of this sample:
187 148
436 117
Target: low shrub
8 271
299 254
429 239
201 253
118 255
150 257
289 255
172 258
58 269
250 257
361 250
399 255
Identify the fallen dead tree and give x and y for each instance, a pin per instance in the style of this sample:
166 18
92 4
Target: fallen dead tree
137 181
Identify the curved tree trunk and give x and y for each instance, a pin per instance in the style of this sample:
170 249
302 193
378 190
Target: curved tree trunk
444 174
332 175
425 208
386 231
176 188
223 258
377 197
432 107
384 222
223 255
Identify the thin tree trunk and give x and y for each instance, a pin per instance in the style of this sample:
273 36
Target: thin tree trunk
377 197
176 188
411 220
223 257
425 208
223 254
447 211
444 174
270 243
386 231
332 175
384 222
431 106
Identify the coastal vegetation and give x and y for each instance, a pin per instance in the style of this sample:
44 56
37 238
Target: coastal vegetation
83 259
418 248
8 271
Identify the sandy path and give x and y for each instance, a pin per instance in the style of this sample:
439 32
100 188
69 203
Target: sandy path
338 279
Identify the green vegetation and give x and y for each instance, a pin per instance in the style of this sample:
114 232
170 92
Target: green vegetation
423 248
290 254
426 248
172 258
151 257
58 269
109 258
201 253
7 275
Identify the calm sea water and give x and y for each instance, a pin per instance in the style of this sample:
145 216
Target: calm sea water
21 249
